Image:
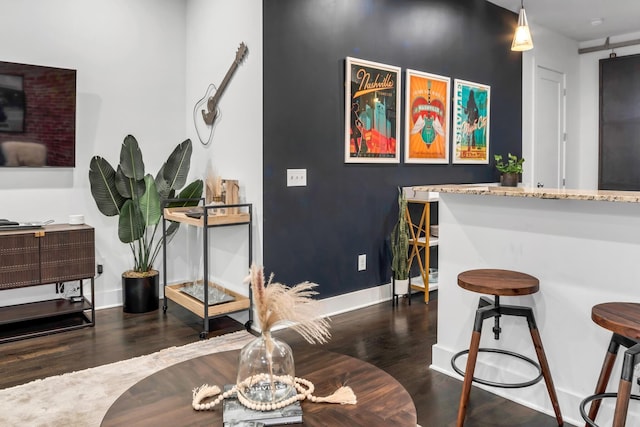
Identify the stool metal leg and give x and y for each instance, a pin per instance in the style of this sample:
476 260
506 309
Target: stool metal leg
605 374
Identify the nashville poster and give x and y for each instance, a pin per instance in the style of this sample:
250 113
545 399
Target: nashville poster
471 122
372 115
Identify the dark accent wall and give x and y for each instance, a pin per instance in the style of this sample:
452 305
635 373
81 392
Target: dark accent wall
316 232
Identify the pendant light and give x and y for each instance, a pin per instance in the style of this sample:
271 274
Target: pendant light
522 38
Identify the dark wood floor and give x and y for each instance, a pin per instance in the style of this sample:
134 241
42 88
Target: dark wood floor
396 340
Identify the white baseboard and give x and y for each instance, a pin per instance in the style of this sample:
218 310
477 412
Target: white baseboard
343 303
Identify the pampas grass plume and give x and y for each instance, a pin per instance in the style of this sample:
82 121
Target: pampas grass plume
275 303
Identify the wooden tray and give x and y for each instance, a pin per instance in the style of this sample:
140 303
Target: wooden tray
179 215
197 307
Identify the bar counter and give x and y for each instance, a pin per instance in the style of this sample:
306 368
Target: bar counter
583 246
537 193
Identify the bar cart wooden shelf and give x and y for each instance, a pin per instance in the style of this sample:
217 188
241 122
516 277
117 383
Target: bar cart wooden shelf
208 217
42 256
420 239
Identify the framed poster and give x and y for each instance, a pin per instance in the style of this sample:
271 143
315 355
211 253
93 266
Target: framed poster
372 115
37 116
427 118
471 122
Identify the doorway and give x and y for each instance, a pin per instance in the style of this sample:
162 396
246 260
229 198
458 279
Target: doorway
549 145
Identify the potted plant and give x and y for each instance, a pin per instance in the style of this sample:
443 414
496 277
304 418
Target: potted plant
136 198
511 170
400 248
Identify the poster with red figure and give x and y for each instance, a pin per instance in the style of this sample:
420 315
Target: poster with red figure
372 115
427 118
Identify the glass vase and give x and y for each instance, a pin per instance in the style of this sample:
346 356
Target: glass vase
266 370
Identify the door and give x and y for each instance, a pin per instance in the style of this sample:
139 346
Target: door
549 129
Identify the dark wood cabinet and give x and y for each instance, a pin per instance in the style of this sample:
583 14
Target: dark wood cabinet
48 255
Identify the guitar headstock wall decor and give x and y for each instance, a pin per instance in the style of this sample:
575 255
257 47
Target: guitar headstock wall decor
205 119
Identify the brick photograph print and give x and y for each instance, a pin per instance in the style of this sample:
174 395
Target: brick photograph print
37 115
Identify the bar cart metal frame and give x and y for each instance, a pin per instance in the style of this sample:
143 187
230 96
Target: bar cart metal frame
206 219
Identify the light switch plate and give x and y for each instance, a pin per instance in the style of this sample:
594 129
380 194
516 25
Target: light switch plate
362 262
296 177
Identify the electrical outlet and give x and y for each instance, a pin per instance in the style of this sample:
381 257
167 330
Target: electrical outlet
362 262
296 177
71 289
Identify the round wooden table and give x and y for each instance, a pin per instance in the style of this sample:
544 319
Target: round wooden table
164 398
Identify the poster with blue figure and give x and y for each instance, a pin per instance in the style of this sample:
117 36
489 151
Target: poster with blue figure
471 122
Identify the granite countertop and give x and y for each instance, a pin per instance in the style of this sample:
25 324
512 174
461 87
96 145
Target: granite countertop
539 193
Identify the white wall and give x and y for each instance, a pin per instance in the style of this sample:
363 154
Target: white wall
140 65
214 31
589 94
556 52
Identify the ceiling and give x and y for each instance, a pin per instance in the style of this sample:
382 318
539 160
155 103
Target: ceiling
573 18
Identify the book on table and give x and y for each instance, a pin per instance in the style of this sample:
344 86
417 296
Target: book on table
235 414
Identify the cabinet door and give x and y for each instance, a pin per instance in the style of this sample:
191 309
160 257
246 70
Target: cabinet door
67 255
19 260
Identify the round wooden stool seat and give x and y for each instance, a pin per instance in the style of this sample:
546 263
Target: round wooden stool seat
622 318
498 282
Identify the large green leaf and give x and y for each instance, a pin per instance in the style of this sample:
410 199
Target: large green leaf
131 159
192 191
102 178
131 222
129 187
150 203
176 169
173 227
162 185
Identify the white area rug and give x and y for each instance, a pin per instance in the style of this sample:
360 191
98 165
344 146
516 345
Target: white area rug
80 399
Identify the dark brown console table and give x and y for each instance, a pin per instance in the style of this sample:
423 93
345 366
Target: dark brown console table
164 398
47 255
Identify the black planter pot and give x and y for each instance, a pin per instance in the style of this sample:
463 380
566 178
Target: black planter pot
140 294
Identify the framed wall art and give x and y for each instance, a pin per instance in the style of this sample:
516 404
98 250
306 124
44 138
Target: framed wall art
372 115
37 116
427 118
471 122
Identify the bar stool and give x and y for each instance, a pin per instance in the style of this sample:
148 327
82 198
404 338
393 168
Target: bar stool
501 283
623 319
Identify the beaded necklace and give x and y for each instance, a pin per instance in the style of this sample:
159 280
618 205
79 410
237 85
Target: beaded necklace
305 388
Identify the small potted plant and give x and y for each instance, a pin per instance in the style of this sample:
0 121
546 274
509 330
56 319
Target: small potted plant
511 170
400 248
136 199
